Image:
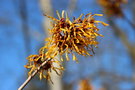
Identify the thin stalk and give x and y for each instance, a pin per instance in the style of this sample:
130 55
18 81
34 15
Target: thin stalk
132 24
32 75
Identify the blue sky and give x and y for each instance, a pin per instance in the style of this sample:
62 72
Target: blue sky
12 50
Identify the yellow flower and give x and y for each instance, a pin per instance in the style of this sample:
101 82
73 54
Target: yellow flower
84 85
77 36
112 7
67 37
34 61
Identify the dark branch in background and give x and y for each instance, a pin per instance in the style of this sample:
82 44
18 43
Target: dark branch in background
115 76
119 33
132 24
25 29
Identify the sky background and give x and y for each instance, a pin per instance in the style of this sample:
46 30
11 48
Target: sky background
111 55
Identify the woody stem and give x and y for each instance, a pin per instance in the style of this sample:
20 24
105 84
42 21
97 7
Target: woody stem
32 75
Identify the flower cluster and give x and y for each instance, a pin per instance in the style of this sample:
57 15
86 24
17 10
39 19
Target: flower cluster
74 37
78 36
34 61
84 85
112 7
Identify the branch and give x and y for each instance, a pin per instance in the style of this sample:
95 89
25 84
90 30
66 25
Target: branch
124 39
25 28
126 19
32 75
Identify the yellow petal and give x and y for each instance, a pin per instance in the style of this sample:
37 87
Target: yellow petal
105 24
67 56
61 58
74 57
58 14
98 14
63 12
40 75
51 17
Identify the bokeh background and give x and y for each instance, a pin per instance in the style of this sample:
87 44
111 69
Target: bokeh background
23 29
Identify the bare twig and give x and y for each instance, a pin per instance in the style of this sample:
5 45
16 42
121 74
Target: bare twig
32 75
124 39
25 28
132 24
